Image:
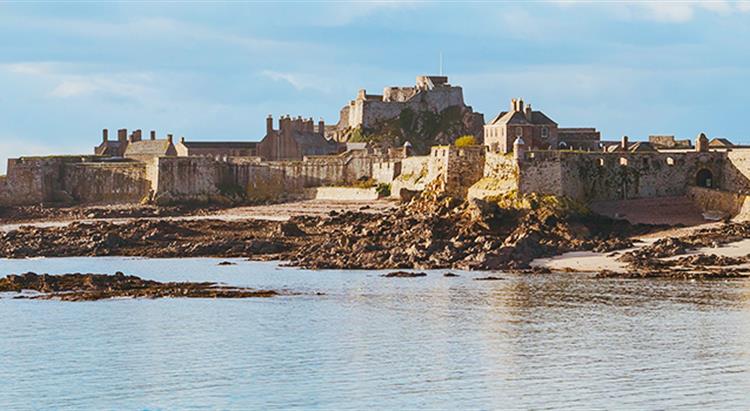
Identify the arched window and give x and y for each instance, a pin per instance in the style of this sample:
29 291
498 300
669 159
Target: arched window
704 178
519 131
545 131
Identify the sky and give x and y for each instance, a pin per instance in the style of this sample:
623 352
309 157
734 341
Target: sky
214 71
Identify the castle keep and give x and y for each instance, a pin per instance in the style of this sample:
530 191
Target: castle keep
520 150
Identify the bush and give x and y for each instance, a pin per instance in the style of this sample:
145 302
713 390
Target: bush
383 190
464 141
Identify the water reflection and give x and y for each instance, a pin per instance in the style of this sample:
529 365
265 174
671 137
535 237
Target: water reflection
539 341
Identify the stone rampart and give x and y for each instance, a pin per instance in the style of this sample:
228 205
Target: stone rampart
617 176
735 205
106 183
736 171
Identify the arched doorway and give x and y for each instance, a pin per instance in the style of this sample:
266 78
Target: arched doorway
704 178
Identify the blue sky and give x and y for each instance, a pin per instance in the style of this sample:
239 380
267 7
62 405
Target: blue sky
212 71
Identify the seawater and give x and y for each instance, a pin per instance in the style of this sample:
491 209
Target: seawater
557 341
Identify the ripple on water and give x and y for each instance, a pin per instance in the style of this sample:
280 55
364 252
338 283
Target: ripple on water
540 341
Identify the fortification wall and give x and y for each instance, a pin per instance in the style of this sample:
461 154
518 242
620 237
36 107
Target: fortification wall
186 179
413 175
198 179
106 183
615 176
735 205
737 171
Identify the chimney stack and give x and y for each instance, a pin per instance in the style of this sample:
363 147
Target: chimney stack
322 127
122 134
137 135
701 143
520 105
269 124
182 139
624 143
153 134
529 112
512 105
105 135
170 138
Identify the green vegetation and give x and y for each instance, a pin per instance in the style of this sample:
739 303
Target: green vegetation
383 190
464 141
547 203
422 129
364 183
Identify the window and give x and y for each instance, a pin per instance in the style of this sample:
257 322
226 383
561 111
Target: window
670 161
519 131
545 131
623 161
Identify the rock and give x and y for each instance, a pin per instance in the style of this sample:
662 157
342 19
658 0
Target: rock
225 263
290 229
404 274
91 287
450 275
489 278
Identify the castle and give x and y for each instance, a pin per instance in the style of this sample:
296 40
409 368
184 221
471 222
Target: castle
519 150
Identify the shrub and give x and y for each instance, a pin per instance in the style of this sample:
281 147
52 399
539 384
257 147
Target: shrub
464 141
383 190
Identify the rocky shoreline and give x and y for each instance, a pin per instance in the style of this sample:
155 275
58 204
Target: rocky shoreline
428 233
25 214
92 287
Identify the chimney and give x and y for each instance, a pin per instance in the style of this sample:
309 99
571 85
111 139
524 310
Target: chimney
122 134
701 143
182 139
153 134
512 105
137 135
269 124
624 143
131 137
529 112
520 105
170 138
322 127
105 135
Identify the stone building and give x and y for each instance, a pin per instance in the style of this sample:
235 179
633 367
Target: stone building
134 146
533 127
144 150
429 94
295 139
668 142
582 138
536 130
216 148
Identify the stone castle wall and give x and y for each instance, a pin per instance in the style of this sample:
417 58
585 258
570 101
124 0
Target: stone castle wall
191 179
599 176
368 112
106 183
736 171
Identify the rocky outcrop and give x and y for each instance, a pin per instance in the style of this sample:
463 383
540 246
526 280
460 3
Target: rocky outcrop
432 231
90 287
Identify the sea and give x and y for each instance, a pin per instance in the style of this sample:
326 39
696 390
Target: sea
354 340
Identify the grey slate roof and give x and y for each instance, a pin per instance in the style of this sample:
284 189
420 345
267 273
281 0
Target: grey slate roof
150 148
517 117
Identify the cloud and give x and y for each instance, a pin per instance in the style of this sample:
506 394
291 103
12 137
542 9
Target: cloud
345 13
300 82
668 11
66 81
